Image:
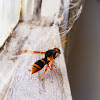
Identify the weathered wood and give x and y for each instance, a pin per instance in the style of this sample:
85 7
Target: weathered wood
50 9
64 16
25 86
31 37
9 61
9 17
27 10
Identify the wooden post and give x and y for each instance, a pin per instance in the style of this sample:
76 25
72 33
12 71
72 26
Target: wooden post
28 36
25 86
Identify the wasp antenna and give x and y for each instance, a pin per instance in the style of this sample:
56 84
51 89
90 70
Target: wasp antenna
63 43
53 44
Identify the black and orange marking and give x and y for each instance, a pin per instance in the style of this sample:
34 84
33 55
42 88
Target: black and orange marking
50 56
39 64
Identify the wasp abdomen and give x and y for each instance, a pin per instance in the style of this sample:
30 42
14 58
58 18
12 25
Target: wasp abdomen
38 65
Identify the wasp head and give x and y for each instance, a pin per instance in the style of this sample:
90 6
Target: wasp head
56 52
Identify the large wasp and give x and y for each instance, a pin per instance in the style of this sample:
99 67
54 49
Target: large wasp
49 57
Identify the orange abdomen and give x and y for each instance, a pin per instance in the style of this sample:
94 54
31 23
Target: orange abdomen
38 65
35 68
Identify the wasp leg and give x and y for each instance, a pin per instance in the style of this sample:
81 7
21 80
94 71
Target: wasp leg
45 71
28 51
52 64
29 69
56 70
50 67
51 61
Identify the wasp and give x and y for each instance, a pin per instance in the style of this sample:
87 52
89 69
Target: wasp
49 58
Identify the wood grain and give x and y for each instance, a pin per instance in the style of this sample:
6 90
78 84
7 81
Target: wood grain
25 86
50 10
27 10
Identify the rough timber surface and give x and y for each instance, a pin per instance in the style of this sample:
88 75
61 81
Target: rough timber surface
25 86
